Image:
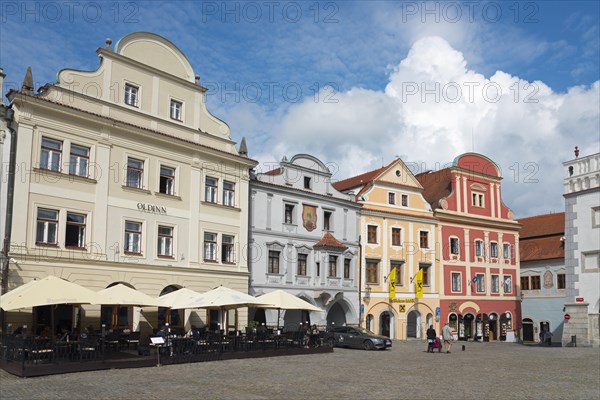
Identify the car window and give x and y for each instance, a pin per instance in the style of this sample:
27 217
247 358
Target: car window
353 331
341 329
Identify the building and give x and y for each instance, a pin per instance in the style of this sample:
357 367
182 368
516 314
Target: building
398 239
123 176
582 249
478 248
543 276
304 240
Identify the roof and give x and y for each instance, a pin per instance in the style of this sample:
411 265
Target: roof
275 171
540 237
436 185
358 180
542 225
329 241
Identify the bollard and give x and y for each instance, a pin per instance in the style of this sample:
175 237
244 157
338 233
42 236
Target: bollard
574 341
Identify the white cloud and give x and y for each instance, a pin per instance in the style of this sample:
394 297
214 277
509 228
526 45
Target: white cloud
525 127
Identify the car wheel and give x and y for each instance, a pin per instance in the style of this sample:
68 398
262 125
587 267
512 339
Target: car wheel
330 342
368 345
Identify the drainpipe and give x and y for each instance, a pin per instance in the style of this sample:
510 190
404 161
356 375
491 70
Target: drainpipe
8 117
360 316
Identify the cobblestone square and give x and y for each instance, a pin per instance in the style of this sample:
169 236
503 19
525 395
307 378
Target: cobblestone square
481 371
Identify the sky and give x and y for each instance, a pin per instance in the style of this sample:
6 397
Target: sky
357 83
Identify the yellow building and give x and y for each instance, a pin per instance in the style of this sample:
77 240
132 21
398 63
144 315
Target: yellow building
123 176
398 237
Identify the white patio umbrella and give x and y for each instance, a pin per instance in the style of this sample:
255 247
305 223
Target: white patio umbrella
282 300
178 299
124 295
48 291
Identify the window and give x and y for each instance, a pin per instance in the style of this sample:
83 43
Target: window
176 107
79 160
210 189
507 284
307 182
595 217
210 246
405 200
479 248
456 282
332 266
372 271
273 262
227 249
131 95
289 214
561 282
47 226
371 234
495 284
51 153
424 239
399 272
135 173
75 230
347 262
454 246
524 283
167 180
133 237
327 220
477 199
391 198
536 282
165 241
318 268
229 194
480 283
396 237
426 277
302 258
506 251
494 250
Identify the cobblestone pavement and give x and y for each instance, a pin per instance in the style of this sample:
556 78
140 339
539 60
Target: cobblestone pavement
483 371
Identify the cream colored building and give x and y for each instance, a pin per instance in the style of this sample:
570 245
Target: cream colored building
397 231
124 176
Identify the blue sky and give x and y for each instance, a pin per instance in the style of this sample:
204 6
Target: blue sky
337 70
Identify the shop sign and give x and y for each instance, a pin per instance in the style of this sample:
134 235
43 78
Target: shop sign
579 299
402 300
151 208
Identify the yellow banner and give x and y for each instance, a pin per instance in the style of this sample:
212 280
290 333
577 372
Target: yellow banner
419 288
392 282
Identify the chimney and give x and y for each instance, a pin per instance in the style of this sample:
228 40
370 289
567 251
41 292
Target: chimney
576 152
2 76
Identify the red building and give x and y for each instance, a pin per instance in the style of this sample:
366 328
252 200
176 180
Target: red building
478 249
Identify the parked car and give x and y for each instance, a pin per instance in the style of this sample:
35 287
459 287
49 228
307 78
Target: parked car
360 338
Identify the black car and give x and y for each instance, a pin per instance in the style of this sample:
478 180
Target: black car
359 338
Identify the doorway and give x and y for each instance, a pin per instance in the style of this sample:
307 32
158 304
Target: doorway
413 322
493 327
528 330
384 323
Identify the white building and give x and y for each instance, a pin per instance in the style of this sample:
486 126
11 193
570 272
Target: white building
123 176
304 240
582 249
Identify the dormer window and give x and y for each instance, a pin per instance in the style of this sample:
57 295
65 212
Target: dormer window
131 95
307 182
176 108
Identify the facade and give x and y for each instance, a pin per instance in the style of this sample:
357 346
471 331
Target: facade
123 176
478 249
304 240
543 276
398 236
582 249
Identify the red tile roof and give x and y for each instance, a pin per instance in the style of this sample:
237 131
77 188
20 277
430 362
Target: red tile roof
542 225
275 171
436 185
540 237
358 180
328 240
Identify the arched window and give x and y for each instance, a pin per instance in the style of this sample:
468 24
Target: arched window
369 322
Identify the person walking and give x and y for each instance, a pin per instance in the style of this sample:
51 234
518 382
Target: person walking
447 336
430 339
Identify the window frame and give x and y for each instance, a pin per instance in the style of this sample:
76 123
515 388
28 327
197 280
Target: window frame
211 191
129 245
494 249
372 234
164 239
50 165
423 239
536 282
228 249
458 287
525 283
307 182
274 261
454 246
399 266
176 113
480 284
138 170
504 284
167 179
228 193
404 200
78 161
477 199
426 274
372 272
47 222
327 216
288 213
392 198
347 268
129 94
396 236
495 283
81 228
479 248
506 249
302 264
561 277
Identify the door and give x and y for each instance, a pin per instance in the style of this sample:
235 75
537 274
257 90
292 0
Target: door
384 323
528 330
